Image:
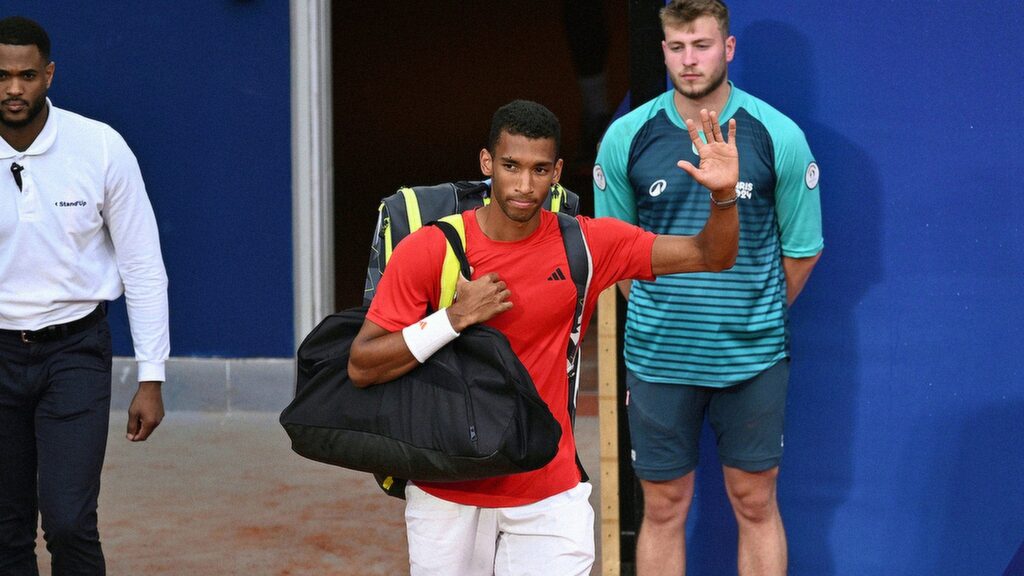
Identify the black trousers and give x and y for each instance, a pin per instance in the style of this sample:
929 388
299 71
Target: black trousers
54 416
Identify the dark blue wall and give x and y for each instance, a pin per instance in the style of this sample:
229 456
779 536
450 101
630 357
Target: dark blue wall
200 89
905 430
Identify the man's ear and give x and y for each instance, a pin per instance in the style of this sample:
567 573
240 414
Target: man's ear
486 162
49 74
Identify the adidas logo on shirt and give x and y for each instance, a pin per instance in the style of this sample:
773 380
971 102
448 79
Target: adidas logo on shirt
557 275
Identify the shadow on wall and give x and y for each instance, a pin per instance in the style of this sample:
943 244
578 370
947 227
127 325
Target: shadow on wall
774 62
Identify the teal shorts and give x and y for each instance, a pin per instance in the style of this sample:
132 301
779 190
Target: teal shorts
748 417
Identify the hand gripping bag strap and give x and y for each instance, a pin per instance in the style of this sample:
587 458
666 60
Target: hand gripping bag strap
580 270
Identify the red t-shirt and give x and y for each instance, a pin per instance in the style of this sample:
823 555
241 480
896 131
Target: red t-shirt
537 325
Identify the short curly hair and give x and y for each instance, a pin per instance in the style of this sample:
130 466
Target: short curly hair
20 31
525 118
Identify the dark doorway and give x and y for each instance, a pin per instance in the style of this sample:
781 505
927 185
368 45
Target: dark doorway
415 84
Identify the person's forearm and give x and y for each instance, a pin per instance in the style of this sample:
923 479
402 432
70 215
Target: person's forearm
379 356
378 360
712 250
719 240
798 271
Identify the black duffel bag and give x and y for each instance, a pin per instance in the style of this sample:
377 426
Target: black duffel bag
470 411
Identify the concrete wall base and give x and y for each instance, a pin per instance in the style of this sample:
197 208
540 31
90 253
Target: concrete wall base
214 384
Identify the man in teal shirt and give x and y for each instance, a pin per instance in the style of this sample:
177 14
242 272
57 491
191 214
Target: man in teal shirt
713 345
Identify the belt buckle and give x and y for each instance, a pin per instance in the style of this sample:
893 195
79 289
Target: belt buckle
26 337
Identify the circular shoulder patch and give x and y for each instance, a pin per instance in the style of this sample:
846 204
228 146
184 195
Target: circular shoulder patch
811 175
599 177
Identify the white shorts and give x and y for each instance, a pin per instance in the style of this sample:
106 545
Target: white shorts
553 536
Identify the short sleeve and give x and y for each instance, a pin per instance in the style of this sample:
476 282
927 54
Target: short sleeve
619 251
411 282
613 194
797 196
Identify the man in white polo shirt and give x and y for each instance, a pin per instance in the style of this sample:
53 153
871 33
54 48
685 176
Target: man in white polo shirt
76 230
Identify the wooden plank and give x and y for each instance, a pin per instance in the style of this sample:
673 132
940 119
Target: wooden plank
607 376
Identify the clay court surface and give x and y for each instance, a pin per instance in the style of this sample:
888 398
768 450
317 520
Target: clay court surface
222 493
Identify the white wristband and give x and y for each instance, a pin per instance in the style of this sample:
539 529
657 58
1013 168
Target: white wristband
429 335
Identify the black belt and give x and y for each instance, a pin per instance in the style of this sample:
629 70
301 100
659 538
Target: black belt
58 331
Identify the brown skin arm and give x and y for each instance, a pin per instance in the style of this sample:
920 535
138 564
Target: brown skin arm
379 355
145 412
714 248
798 270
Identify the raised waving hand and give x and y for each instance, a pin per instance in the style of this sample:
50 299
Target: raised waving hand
719 168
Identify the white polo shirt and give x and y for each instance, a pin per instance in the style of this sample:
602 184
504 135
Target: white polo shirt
81 231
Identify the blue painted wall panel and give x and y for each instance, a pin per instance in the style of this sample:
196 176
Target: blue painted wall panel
906 409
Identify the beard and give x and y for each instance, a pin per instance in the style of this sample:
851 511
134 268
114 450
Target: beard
31 112
717 80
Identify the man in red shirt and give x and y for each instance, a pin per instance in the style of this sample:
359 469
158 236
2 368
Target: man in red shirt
539 521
